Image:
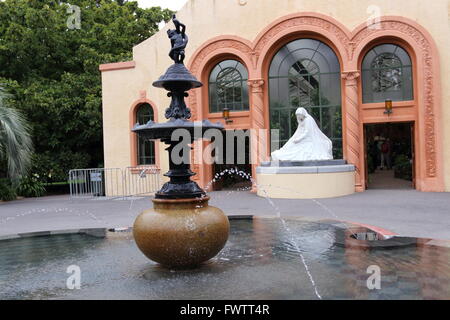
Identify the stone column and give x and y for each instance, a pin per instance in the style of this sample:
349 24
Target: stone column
352 124
256 87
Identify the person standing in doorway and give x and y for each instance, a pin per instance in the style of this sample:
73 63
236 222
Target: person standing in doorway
385 152
388 156
380 141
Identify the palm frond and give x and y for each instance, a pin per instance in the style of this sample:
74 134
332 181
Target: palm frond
15 141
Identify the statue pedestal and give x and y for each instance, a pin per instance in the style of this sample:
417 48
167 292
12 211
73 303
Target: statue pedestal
305 179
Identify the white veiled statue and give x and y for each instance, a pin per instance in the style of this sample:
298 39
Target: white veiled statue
307 143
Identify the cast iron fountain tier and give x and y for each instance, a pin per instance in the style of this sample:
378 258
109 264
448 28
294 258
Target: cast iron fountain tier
182 230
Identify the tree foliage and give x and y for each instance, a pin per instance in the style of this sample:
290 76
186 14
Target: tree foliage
51 68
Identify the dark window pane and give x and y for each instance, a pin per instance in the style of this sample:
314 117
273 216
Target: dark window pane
144 113
386 74
213 98
228 87
326 121
408 91
245 103
315 113
146 148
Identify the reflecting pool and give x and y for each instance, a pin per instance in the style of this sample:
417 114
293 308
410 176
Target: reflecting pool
263 259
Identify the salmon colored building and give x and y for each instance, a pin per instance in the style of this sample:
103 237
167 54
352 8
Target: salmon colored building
343 60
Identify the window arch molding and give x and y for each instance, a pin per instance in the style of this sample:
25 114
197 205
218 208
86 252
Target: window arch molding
133 112
199 99
206 57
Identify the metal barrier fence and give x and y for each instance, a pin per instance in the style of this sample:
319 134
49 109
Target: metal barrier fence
141 180
113 182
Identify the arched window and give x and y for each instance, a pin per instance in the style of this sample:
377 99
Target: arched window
387 74
306 73
145 148
228 87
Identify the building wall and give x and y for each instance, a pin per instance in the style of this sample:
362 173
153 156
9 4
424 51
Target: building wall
246 19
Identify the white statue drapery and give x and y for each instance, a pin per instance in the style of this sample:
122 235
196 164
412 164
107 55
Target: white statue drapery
307 143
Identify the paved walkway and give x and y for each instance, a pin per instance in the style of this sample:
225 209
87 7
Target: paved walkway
385 179
406 212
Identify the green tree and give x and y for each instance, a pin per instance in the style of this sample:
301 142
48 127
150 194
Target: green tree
15 141
51 68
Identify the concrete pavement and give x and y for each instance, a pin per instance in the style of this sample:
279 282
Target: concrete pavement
406 212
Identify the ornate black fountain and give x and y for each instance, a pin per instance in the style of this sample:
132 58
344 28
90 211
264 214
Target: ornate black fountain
181 230
177 80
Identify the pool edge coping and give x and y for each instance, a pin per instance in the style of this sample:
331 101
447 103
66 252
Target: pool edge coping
102 232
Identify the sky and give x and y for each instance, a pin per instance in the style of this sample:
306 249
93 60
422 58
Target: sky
174 5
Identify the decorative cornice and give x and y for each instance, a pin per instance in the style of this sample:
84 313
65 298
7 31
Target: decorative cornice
217 45
117 66
298 22
256 84
350 75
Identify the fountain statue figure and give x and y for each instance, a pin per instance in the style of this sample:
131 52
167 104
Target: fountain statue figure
178 40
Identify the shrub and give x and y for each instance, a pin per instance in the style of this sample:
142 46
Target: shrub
55 167
31 186
403 167
7 191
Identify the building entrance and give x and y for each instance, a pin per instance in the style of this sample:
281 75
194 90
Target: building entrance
236 156
389 152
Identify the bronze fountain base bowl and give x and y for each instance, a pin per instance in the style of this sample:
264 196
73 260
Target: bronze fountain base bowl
182 233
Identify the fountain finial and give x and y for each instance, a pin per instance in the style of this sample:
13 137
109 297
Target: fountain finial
178 39
177 78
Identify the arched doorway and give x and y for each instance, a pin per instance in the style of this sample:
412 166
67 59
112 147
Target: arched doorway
228 90
306 73
387 75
